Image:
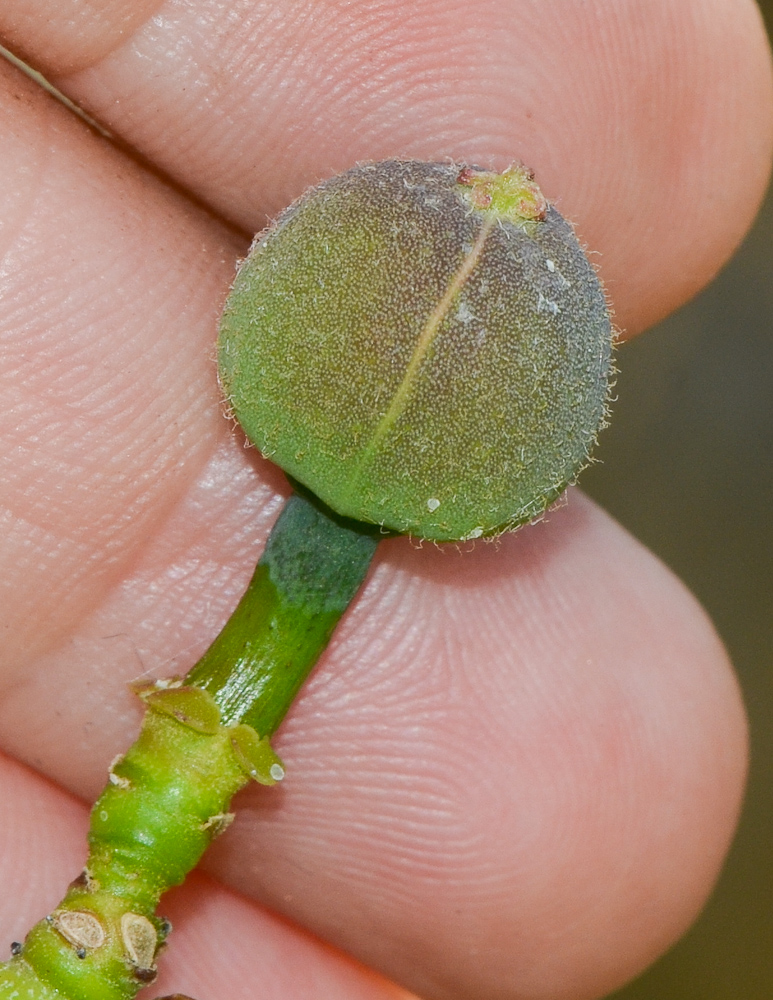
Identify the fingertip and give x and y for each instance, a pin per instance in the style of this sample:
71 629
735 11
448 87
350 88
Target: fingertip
693 169
526 780
650 126
68 35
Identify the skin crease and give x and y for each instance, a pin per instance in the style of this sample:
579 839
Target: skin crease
517 771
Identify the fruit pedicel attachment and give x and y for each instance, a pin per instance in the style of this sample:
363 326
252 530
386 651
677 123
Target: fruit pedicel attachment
424 349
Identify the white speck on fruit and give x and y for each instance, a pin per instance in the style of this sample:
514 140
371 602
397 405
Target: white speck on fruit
277 772
433 503
463 313
550 265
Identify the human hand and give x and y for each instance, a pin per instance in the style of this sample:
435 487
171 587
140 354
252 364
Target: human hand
517 769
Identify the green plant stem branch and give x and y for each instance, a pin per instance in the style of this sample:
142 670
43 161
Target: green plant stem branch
203 737
313 564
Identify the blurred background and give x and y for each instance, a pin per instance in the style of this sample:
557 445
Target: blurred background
688 469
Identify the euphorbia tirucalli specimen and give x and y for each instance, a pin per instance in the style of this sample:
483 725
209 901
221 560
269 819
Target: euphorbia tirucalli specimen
424 349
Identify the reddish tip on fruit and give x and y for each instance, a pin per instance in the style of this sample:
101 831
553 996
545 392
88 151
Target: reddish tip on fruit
512 195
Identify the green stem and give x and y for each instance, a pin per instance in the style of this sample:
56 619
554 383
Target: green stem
311 568
201 740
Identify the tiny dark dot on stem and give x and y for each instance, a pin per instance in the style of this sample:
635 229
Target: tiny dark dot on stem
16 947
81 882
145 975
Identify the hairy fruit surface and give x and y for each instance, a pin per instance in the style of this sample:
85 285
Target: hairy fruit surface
424 346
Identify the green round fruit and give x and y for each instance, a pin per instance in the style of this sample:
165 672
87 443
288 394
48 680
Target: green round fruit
423 346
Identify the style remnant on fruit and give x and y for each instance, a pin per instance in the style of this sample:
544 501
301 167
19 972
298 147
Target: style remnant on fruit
423 346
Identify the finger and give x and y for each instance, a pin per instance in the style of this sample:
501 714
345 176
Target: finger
559 760
98 441
520 768
650 125
223 945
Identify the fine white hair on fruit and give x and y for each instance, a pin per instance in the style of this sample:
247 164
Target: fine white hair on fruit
455 344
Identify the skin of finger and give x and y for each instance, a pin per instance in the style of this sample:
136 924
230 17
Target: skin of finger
101 298
516 778
223 945
538 803
75 33
650 124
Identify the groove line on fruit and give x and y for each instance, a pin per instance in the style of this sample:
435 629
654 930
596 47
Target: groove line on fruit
423 345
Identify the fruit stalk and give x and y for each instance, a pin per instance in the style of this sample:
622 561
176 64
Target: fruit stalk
203 737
